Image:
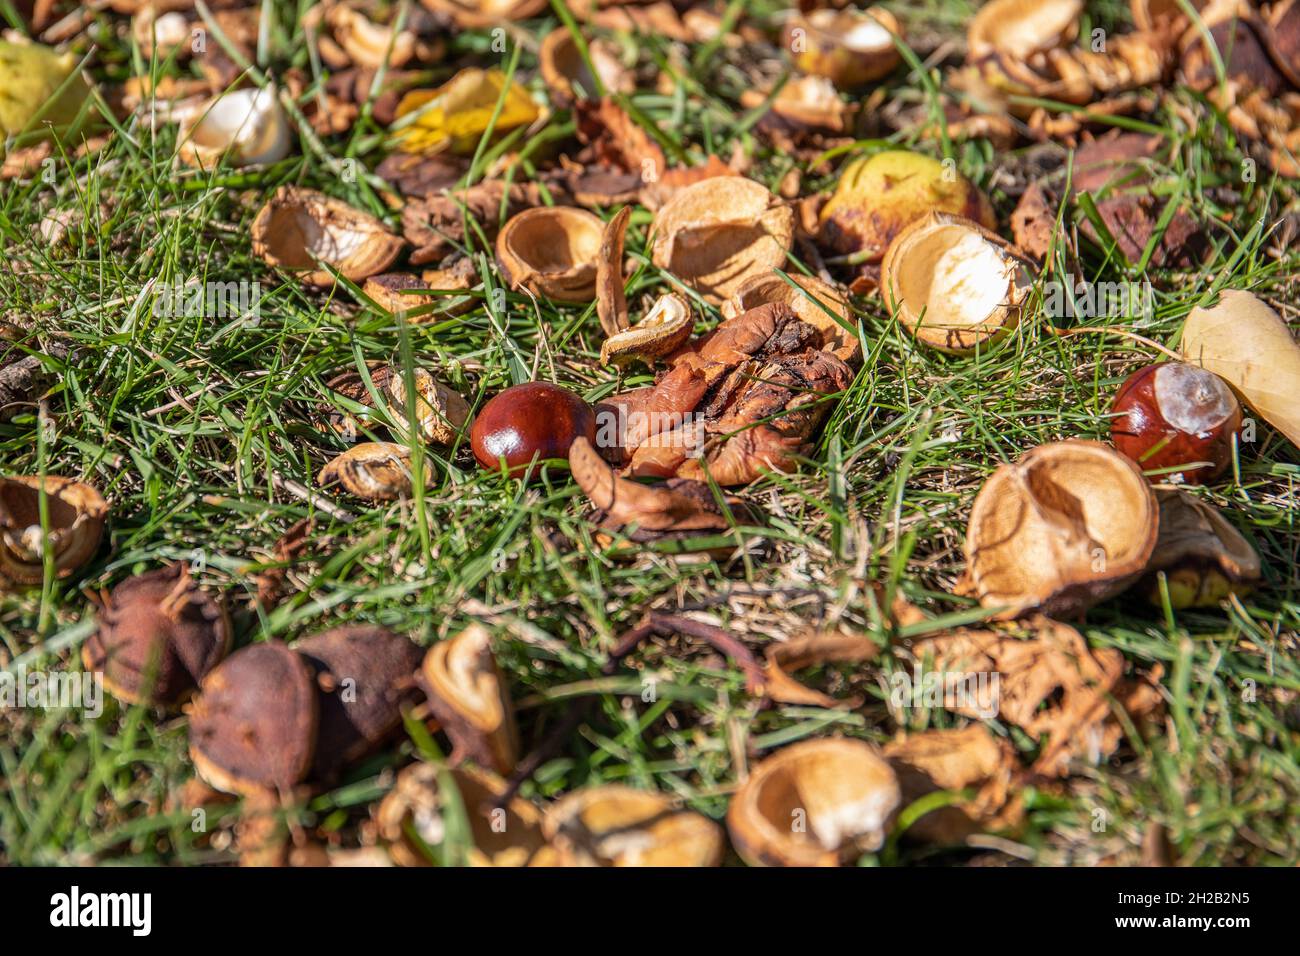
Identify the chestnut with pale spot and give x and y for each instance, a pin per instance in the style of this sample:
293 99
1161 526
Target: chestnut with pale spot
535 421
1177 421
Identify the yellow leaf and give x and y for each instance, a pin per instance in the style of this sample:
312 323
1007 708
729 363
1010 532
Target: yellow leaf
456 115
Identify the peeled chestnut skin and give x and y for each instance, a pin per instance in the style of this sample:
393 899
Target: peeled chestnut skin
1175 414
536 420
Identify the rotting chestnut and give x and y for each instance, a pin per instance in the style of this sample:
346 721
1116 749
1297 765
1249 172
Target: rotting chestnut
1177 420
253 725
363 674
535 421
158 636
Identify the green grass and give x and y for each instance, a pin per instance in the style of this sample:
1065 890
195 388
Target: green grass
203 434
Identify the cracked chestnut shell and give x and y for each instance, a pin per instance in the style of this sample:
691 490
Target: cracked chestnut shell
253 725
535 420
158 636
364 674
1177 420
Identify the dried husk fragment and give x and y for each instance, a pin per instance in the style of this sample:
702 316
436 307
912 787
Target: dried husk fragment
160 32
476 14
159 635
849 47
396 292
419 803
567 75
467 693
440 413
615 825
1203 557
1149 14
956 760
714 235
368 44
815 803
76 516
245 127
1066 526
303 230
806 103
1020 28
663 330
611 299
808 650
456 115
879 197
364 674
677 510
955 285
379 471
253 725
1247 344
552 251
823 306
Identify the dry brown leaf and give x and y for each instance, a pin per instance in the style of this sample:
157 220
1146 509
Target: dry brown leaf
1250 346
1052 685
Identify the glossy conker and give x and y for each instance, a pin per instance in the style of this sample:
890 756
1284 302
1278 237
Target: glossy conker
1172 415
534 421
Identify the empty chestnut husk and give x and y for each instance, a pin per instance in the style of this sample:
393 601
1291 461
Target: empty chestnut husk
159 635
1177 420
536 421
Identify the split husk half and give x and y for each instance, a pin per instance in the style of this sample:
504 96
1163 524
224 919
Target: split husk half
955 285
615 825
379 470
477 14
716 234
552 251
304 231
823 306
1203 557
467 693
566 73
76 514
663 330
1247 344
245 127
1066 526
816 803
849 47
414 815
1020 28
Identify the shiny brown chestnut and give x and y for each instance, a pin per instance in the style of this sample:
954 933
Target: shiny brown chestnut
1173 415
534 421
